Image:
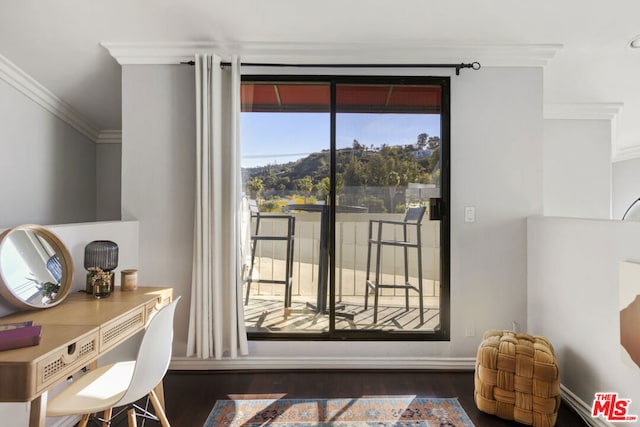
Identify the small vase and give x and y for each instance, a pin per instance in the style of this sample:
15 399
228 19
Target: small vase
89 283
102 288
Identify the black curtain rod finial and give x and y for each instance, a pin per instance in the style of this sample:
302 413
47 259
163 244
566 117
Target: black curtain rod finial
474 66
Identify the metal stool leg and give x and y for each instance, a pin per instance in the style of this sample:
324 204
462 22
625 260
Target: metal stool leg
289 267
254 244
406 268
366 283
420 302
250 274
377 283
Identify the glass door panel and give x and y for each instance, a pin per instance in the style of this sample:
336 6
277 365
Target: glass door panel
285 146
388 168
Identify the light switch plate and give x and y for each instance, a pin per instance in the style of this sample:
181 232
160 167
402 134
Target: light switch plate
469 214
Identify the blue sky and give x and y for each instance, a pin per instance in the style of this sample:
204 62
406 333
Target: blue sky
269 138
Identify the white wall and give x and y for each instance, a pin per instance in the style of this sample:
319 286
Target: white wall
158 176
497 132
108 179
47 167
626 185
577 168
573 300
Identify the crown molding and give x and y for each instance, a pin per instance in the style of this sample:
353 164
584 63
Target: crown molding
488 55
14 76
585 111
626 153
611 111
109 137
157 53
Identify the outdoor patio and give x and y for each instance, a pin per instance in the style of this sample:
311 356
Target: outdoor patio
265 311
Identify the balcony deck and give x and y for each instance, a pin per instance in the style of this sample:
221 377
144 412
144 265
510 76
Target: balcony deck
267 314
265 311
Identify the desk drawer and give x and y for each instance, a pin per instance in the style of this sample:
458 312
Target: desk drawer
66 361
118 330
153 306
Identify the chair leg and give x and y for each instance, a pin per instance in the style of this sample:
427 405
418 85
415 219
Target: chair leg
159 390
131 417
158 408
84 420
107 417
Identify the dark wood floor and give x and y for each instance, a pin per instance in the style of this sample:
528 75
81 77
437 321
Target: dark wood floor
191 395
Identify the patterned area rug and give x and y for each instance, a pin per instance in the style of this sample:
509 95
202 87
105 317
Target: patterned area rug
358 412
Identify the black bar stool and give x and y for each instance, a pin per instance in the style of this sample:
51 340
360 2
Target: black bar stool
413 218
287 237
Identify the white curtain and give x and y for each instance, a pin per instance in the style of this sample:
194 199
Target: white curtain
216 322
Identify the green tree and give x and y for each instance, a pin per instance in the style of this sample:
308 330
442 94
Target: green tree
434 161
422 141
393 181
305 185
376 170
256 187
324 187
355 174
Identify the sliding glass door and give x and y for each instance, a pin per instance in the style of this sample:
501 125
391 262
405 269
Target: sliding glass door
285 137
388 161
359 165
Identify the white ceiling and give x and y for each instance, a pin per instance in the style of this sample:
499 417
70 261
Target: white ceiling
58 42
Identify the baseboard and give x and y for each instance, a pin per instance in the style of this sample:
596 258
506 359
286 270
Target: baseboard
262 363
582 409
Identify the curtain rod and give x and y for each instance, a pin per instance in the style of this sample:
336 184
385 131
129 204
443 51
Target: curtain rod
458 67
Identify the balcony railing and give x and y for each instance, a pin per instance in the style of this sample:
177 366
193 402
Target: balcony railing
351 238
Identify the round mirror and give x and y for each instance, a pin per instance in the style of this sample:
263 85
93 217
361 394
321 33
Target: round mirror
36 269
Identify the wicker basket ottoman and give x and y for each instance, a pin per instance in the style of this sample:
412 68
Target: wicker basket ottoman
517 378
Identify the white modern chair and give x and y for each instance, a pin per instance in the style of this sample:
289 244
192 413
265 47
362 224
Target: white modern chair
122 384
